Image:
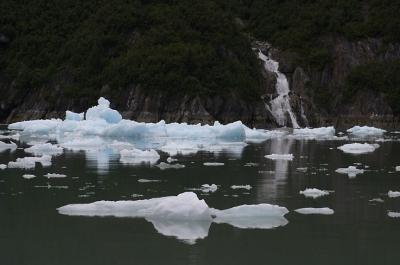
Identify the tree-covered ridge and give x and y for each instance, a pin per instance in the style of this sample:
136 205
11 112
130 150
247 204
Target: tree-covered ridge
174 46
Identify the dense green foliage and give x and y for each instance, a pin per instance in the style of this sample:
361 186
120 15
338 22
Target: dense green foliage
377 76
173 46
178 46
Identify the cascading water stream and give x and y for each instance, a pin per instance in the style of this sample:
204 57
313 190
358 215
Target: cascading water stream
280 105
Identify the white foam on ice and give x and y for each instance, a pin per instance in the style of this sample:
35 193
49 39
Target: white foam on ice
5 146
213 164
351 171
246 187
30 162
45 149
323 211
183 216
393 194
357 148
365 131
136 156
314 193
54 175
288 157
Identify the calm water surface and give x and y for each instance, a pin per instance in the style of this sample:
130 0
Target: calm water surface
359 232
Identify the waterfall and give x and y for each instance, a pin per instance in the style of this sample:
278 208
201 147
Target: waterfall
280 105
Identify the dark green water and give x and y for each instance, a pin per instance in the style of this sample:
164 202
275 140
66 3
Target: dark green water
359 232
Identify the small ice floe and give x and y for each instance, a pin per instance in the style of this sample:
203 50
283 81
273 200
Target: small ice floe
351 171
246 187
171 160
393 214
377 200
28 176
4 146
288 157
30 162
136 195
213 164
324 211
209 188
148 180
250 164
365 131
44 149
314 133
357 148
14 137
302 169
3 166
183 216
48 186
54 175
164 165
397 168
136 156
393 194
314 193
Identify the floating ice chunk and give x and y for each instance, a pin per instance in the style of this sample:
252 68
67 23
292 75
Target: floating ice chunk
213 164
351 171
376 200
28 176
4 146
164 165
302 169
357 148
171 160
44 149
280 157
30 162
246 187
36 127
365 131
136 156
393 214
393 194
3 166
14 136
148 180
397 168
324 211
257 135
72 116
251 164
103 112
183 148
83 144
314 193
261 216
314 133
55 175
209 188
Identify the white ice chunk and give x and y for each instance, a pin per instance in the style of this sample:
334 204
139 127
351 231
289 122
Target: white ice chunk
3 166
137 156
72 116
148 180
357 148
213 164
397 168
314 133
28 176
351 171
103 112
164 165
280 157
44 149
55 175
209 188
324 211
314 193
365 131
261 216
393 214
246 187
376 200
36 127
171 160
30 162
393 194
4 146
